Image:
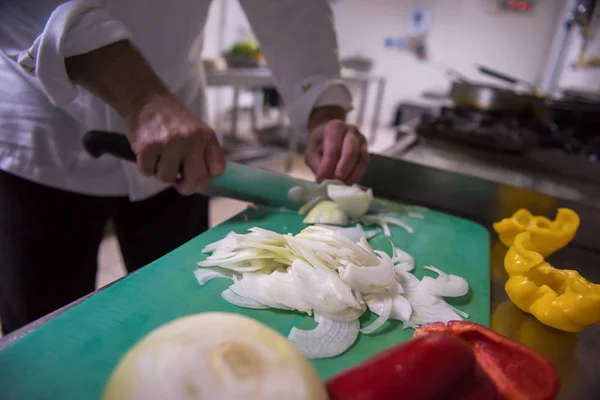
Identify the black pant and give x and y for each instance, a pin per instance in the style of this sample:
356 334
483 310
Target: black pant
49 241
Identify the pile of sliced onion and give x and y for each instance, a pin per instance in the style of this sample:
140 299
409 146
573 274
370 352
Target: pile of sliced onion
334 275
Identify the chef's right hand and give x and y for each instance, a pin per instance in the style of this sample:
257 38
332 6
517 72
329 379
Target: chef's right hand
167 136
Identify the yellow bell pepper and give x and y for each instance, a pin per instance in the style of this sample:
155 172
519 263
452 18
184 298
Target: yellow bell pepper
547 236
562 299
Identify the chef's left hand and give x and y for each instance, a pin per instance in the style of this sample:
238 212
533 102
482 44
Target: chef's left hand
337 150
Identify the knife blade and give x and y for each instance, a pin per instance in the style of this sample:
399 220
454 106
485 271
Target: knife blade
238 181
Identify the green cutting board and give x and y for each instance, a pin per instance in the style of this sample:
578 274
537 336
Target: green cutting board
72 355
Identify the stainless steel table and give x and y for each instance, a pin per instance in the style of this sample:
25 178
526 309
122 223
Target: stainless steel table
240 78
577 356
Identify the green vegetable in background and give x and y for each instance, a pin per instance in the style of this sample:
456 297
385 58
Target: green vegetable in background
246 48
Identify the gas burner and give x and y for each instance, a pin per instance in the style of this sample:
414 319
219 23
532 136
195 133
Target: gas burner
497 132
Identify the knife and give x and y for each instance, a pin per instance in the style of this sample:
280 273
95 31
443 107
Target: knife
238 181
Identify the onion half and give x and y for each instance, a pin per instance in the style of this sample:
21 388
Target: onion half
327 212
351 199
204 356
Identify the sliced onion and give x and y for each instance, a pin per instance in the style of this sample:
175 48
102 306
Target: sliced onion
251 286
310 195
400 307
329 339
396 221
204 275
367 247
281 288
370 234
396 288
460 312
327 212
386 228
427 308
240 301
444 285
265 233
341 290
407 280
354 233
370 279
404 261
416 215
306 208
340 246
319 293
370 220
229 239
352 199
385 310
383 221
401 259
259 250
276 290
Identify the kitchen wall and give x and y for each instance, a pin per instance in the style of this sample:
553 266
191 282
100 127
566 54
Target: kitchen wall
463 33
578 78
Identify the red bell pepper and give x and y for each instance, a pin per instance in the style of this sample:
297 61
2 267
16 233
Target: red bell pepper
518 372
432 367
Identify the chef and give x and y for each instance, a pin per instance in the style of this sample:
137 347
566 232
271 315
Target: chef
134 66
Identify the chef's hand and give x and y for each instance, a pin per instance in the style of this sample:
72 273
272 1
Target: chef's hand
336 150
166 136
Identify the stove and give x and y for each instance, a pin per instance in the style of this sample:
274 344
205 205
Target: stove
522 152
503 133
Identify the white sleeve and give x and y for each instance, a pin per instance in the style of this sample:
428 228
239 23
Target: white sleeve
299 42
74 27
335 95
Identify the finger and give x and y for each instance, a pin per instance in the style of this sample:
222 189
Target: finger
332 150
214 159
170 162
195 173
350 154
148 158
361 166
313 153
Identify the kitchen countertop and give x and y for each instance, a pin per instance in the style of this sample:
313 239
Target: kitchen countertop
551 172
577 356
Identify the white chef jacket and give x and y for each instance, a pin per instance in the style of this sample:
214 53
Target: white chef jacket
43 115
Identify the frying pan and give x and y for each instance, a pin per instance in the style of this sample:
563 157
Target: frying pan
489 98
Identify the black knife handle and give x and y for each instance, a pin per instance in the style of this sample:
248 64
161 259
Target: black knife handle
97 143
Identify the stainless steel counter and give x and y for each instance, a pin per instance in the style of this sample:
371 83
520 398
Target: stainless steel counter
577 356
552 172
